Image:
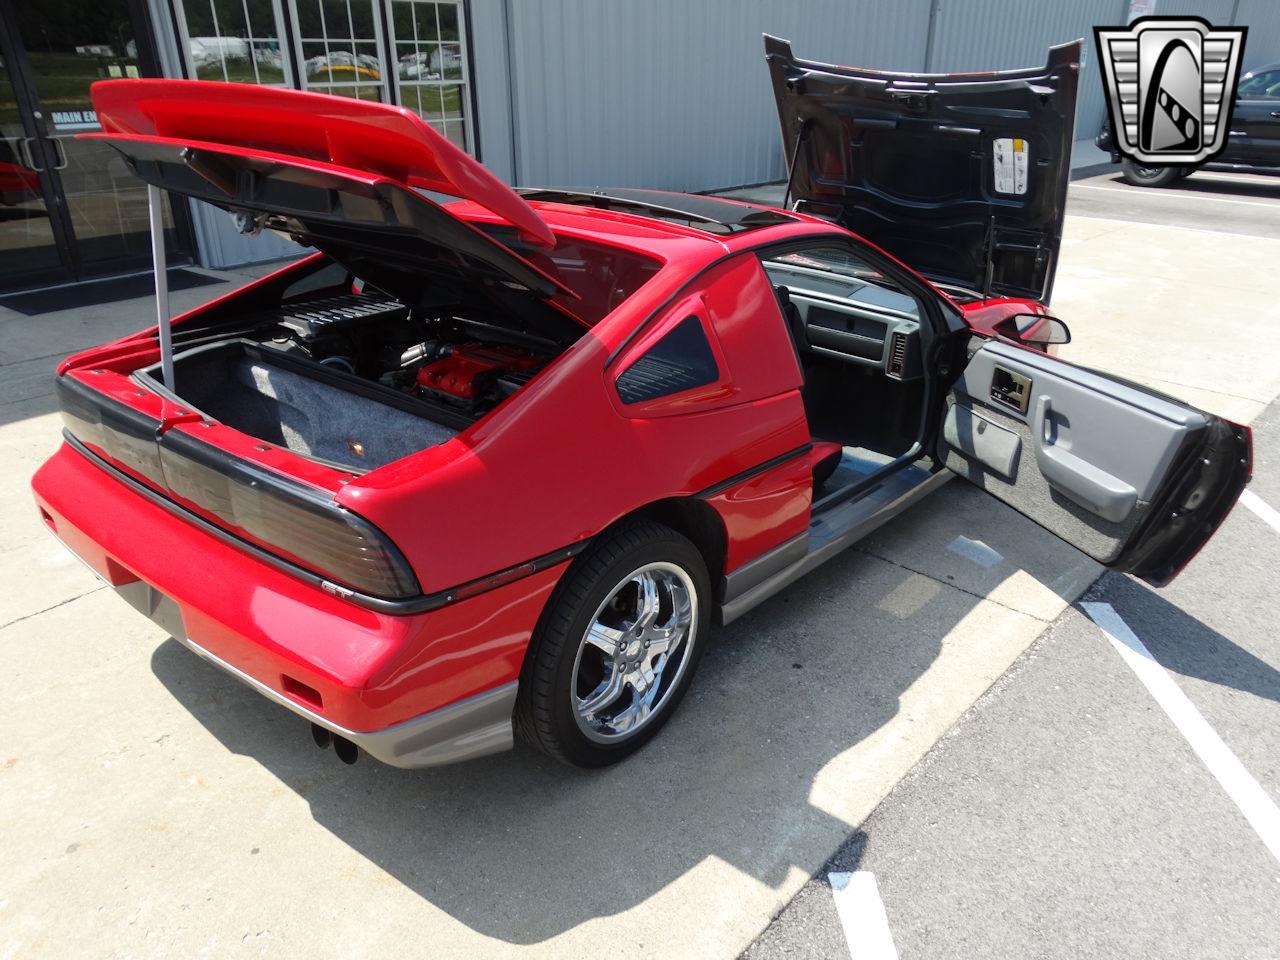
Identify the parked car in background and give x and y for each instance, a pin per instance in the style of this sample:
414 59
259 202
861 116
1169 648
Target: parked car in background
1253 138
498 465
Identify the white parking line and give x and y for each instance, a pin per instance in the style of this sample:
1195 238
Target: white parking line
1254 802
866 925
1269 514
1171 195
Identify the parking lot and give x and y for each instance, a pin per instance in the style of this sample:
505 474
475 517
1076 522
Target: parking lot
933 709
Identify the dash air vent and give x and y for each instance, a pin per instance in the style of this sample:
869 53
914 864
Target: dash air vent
897 355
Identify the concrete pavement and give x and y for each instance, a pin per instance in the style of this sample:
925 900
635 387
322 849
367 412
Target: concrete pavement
156 807
1241 203
1065 816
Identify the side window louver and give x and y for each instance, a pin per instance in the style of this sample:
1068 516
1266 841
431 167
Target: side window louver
681 360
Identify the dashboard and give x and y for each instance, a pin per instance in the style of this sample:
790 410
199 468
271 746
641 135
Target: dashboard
852 319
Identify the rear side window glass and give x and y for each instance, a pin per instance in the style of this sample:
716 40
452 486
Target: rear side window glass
679 361
328 277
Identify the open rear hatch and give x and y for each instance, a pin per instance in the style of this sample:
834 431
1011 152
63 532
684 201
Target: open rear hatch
345 177
330 173
961 176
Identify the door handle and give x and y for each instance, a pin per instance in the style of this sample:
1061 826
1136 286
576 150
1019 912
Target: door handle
61 162
28 157
1276 114
1074 477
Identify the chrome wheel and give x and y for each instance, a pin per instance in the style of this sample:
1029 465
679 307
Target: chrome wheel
634 652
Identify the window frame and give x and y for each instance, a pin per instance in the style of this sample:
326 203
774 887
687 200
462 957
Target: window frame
466 91
377 10
282 29
392 89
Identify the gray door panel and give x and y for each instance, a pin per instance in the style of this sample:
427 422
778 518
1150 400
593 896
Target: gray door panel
1080 453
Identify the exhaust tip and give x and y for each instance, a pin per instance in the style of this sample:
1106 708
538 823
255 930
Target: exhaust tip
347 751
321 736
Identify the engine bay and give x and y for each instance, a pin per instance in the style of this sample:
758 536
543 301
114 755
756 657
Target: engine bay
466 367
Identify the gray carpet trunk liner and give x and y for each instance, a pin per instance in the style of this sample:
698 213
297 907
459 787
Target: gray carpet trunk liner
308 416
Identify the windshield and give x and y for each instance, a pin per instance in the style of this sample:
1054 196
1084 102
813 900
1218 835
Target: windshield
836 260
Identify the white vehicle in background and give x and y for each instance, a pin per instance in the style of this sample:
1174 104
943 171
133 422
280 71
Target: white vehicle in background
213 52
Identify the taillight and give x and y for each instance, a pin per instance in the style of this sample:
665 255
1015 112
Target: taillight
288 519
300 524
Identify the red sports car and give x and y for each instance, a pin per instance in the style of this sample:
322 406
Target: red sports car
497 464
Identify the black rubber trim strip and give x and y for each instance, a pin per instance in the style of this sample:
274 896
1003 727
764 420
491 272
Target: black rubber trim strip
408 605
903 276
759 468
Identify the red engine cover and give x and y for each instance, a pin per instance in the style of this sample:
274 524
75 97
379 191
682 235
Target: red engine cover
462 373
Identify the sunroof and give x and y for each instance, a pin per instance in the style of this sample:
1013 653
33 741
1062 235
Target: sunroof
708 214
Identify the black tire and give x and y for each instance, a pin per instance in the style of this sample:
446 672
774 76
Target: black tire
544 713
1141 175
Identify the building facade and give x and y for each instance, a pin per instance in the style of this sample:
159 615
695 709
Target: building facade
662 93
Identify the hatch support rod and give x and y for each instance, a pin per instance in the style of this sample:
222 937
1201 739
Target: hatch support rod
156 209
795 158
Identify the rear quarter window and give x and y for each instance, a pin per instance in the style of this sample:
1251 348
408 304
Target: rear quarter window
680 361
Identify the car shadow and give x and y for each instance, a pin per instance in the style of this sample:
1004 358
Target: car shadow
521 848
1185 645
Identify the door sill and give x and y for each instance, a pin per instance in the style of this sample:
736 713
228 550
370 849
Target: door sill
847 515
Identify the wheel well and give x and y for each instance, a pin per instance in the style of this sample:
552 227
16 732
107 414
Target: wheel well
695 519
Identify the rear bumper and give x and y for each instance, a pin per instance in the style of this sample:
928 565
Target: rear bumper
412 690
474 727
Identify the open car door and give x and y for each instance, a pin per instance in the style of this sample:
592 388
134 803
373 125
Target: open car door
1135 479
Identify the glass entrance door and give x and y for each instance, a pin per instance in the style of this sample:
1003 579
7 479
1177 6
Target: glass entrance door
29 248
95 210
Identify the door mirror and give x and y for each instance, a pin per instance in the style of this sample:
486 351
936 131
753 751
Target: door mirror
1034 329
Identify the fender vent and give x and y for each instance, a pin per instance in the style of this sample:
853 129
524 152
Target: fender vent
897 355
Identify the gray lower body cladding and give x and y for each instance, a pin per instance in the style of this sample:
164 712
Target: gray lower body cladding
474 727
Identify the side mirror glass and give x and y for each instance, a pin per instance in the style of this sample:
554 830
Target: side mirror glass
1035 329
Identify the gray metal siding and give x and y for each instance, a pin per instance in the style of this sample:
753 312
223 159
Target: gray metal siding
675 94
1215 11
1262 43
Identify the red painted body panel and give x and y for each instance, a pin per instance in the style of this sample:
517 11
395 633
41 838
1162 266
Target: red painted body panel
765 510
386 141
489 499
372 670
984 315
482 502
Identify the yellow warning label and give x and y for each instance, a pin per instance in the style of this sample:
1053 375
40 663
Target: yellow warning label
1019 145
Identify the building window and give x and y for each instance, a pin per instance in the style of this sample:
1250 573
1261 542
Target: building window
341 44
233 40
431 65
338 48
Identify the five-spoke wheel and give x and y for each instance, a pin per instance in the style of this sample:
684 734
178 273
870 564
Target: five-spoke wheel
632 655
617 646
